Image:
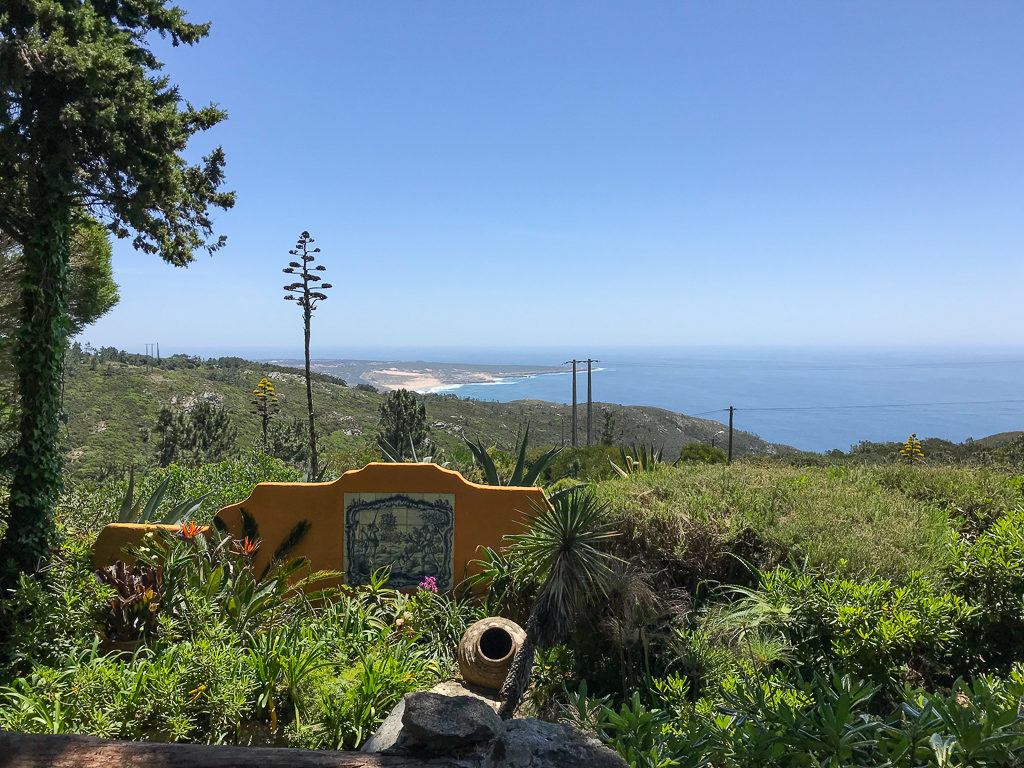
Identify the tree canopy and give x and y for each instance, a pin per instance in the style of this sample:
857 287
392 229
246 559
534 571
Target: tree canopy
87 124
403 421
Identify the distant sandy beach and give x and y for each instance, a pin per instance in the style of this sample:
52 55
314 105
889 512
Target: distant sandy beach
425 379
421 376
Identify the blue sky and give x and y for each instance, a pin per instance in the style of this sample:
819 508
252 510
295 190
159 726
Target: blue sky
530 174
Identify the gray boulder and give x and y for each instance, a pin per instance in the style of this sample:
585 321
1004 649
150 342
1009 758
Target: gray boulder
466 731
531 743
433 725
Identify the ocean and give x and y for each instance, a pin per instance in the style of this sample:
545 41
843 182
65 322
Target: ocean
813 399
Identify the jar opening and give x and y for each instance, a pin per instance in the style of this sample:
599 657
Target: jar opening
495 643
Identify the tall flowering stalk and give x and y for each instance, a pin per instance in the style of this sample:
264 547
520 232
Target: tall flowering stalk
911 452
307 292
266 404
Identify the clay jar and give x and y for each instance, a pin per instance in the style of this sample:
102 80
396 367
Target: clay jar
487 649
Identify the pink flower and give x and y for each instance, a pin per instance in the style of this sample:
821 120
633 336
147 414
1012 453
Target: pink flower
429 584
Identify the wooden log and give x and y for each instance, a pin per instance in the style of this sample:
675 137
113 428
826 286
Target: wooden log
32 750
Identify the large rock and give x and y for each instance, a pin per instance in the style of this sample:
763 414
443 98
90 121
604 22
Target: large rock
432 725
531 743
455 688
468 733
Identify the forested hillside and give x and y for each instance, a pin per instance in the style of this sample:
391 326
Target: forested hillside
113 401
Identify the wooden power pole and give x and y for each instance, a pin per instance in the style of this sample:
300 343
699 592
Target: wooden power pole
731 409
590 405
574 362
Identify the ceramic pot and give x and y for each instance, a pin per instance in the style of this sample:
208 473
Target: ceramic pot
487 649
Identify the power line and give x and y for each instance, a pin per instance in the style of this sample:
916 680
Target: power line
889 405
860 407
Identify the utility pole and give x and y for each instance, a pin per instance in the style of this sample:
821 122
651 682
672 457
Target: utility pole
729 460
567 362
590 404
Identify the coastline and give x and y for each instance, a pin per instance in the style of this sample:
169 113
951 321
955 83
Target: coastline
423 377
489 381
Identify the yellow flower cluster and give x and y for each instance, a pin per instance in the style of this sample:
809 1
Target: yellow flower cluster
265 389
911 450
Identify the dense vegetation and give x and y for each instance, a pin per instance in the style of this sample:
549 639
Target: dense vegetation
861 608
757 614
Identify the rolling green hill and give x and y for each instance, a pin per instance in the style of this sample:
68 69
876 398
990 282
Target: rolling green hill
112 408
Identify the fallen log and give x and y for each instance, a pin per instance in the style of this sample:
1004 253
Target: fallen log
33 750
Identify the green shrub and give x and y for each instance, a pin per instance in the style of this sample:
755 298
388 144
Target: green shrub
53 613
587 464
702 453
988 570
893 634
194 691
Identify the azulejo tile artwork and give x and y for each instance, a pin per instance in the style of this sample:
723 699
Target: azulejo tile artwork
413 534
420 519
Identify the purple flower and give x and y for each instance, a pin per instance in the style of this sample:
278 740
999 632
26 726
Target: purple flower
429 584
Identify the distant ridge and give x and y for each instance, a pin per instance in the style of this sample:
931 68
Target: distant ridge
113 407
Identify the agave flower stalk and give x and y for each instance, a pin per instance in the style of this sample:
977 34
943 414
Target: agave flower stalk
307 291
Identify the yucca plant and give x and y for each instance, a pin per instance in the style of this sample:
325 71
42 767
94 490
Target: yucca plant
639 458
522 474
563 547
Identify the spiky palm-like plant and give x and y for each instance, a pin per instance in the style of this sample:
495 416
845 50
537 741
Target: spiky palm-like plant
563 546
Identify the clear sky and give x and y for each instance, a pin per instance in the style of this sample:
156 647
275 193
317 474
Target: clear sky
529 174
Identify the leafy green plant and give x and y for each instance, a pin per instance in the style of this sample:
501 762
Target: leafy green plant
137 511
988 570
403 419
395 455
216 570
523 473
876 630
638 458
134 602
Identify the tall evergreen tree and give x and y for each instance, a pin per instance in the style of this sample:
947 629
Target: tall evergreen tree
403 421
86 123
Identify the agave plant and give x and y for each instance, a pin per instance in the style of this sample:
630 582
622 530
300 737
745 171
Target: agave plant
392 454
132 511
562 546
522 475
639 458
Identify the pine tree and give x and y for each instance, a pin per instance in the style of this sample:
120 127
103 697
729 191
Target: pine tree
403 421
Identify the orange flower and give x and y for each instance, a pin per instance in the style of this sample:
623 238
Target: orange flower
245 547
189 531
